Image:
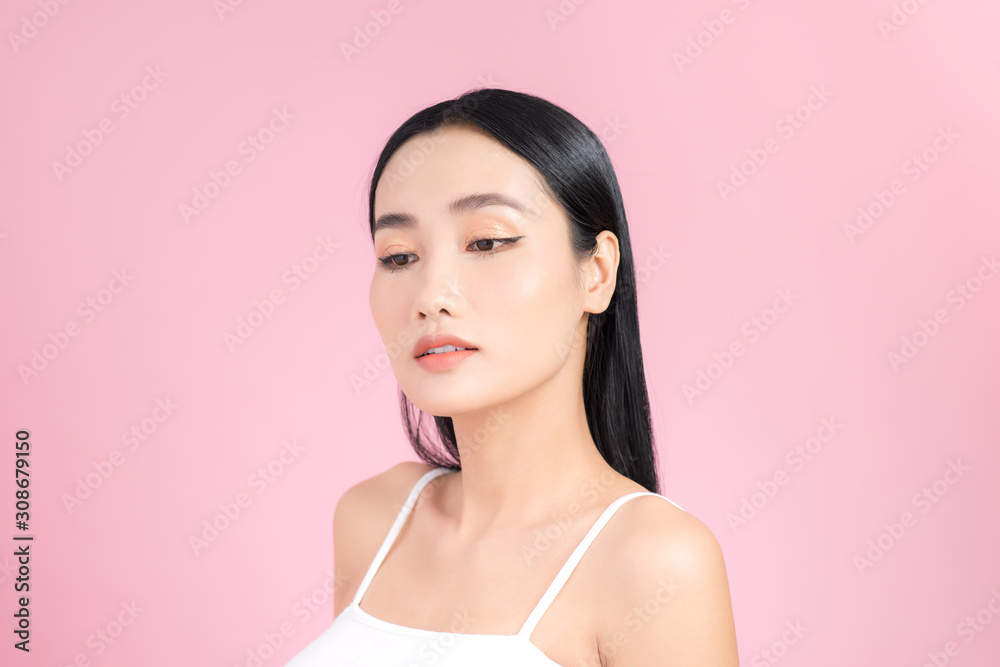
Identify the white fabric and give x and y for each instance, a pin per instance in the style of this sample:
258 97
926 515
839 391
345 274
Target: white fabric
357 639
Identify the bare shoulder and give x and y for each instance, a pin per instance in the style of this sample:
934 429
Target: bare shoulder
362 519
670 603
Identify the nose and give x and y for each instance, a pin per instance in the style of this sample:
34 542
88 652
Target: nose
440 293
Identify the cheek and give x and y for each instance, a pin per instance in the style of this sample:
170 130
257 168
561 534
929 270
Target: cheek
537 308
387 306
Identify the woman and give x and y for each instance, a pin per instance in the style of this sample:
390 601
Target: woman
504 291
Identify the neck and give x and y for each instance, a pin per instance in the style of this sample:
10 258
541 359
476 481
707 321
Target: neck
520 465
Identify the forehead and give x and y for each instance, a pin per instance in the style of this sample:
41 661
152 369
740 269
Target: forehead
431 168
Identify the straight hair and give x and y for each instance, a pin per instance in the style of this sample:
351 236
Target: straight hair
578 175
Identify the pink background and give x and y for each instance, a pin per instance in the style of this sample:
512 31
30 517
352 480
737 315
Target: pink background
709 264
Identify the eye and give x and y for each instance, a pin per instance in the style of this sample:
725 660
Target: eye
390 264
493 249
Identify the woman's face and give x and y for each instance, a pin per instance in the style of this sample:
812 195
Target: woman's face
520 303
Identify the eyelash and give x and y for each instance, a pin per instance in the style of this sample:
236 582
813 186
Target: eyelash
389 265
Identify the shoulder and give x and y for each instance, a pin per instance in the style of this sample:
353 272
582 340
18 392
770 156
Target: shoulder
362 519
672 595
379 491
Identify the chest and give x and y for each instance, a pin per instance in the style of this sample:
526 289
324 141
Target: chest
492 588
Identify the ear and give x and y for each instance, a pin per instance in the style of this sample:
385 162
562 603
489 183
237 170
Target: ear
601 273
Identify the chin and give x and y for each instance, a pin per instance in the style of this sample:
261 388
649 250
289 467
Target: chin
446 399
442 406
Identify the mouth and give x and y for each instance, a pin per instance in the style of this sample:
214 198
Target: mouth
444 349
441 343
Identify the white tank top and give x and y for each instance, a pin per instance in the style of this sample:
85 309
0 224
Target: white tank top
357 639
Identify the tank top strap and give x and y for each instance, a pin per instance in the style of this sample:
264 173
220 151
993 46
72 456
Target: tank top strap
574 559
397 526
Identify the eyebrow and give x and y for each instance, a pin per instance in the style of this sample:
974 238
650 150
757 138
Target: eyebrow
464 204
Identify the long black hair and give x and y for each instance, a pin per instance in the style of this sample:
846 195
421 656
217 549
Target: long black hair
579 177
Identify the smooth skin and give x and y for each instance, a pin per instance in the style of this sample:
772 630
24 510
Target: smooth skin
473 557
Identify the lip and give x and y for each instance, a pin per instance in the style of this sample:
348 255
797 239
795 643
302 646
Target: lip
438 363
425 343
